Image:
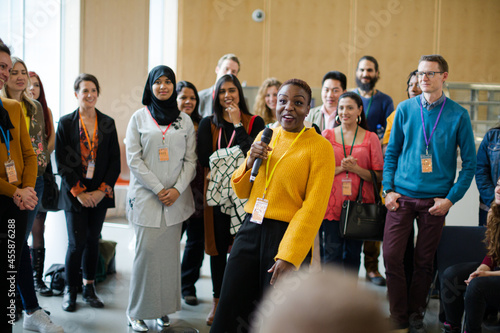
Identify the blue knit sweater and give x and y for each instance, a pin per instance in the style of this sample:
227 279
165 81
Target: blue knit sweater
403 169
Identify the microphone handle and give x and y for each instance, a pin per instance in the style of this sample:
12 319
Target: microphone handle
255 169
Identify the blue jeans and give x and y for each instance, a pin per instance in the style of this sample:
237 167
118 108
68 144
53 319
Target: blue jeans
25 283
337 250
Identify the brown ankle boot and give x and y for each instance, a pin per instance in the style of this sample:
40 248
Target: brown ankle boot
211 315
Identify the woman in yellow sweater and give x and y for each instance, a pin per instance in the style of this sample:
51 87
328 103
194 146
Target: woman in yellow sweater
291 193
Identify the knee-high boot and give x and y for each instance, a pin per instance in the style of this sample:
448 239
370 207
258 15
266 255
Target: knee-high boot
37 260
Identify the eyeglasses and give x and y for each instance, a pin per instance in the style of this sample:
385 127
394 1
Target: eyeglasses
430 75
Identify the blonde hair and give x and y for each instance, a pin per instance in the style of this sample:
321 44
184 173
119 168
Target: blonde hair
30 104
260 107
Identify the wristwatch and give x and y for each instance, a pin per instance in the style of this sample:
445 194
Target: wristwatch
385 192
238 125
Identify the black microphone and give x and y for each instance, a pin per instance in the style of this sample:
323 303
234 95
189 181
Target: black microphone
266 138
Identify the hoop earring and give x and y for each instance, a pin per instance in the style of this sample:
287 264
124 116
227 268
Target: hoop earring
337 120
359 119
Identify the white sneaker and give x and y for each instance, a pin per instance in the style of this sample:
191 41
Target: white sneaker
39 321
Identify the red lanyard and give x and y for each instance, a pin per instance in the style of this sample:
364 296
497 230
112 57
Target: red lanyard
162 132
230 141
91 143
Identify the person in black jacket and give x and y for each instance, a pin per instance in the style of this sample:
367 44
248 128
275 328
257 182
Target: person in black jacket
88 160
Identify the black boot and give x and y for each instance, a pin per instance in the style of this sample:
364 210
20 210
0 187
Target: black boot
37 260
69 299
90 296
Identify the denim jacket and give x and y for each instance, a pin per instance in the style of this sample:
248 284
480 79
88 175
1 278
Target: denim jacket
488 166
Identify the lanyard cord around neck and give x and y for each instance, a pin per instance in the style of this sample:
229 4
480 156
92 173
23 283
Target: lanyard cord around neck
428 141
7 140
162 132
269 177
230 141
94 138
369 103
352 146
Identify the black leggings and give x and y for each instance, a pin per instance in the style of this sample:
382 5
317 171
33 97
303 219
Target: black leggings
84 231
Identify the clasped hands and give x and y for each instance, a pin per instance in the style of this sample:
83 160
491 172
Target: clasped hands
90 199
349 164
25 198
168 197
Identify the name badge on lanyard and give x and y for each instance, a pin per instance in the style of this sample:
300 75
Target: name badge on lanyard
90 170
259 210
10 169
426 163
163 154
346 186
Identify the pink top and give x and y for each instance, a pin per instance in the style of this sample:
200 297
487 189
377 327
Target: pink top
369 155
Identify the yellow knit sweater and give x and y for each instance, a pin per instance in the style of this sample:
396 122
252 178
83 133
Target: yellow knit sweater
298 192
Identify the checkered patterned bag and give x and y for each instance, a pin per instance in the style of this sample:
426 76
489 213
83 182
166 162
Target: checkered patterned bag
223 163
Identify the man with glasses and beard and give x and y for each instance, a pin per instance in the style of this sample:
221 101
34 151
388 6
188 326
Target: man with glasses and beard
378 106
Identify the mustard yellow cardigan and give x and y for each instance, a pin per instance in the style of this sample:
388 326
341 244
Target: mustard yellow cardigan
298 192
21 152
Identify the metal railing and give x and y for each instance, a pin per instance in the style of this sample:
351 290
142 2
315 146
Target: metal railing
482 100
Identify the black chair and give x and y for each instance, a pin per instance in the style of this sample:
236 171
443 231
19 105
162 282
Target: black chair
459 244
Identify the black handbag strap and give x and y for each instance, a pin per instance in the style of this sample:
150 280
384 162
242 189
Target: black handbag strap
378 200
376 191
360 191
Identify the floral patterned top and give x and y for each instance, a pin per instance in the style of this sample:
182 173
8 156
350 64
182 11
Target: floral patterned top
36 130
87 156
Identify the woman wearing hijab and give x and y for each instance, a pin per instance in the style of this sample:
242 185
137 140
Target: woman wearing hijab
88 160
160 145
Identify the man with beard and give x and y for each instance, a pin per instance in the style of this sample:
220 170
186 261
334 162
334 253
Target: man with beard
378 106
333 85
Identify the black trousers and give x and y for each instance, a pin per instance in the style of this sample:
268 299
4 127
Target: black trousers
223 239
246 277
193 255
84 231
12 230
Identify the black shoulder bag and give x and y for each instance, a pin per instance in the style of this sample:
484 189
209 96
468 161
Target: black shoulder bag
363 221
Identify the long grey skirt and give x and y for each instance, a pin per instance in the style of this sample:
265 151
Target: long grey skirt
155 285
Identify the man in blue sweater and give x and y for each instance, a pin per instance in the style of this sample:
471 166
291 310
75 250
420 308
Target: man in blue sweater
419 180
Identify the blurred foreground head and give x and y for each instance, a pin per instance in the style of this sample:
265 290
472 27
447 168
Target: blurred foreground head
321 302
